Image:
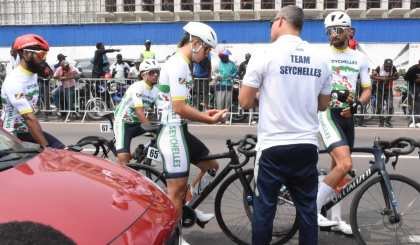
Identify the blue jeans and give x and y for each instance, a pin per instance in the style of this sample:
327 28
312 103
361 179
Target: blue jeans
68 97
295 167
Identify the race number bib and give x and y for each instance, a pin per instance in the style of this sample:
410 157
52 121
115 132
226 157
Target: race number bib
105 127
154 154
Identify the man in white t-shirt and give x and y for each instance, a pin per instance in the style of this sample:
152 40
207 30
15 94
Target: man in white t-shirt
134 72
120 69
14 59
294 81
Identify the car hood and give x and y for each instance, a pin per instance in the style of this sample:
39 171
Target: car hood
92 200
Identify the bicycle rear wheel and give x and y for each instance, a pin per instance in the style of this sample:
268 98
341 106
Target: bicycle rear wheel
371 214
96 146
234 212
155 176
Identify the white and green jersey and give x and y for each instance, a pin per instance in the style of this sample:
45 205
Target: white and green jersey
139 94
175 83
346 65
19 95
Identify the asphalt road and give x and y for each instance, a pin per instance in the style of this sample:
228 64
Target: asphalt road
214 137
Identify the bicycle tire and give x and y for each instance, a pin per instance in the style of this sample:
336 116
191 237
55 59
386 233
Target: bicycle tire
96 149
370 220
155 176
93 107
236 223
369 112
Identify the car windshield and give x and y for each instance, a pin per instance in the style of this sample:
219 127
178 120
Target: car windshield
7 142
83 64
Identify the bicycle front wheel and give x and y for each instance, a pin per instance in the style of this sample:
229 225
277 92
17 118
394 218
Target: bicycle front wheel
234 212
93 145
372 218
155 176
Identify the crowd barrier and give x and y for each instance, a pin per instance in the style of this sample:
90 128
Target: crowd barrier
91 96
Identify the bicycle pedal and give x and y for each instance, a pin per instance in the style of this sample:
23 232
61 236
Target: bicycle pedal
325 228
201 224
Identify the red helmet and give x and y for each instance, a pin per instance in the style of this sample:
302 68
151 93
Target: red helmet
31 41
224 53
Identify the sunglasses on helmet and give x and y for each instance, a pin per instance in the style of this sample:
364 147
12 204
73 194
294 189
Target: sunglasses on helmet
41 53
335 30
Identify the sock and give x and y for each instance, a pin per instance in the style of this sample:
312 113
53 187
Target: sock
323 193
194 196
336 211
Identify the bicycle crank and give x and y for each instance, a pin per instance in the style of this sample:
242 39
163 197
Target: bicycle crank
189 217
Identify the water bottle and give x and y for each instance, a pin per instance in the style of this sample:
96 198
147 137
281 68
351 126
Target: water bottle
137 152
205 181
348 178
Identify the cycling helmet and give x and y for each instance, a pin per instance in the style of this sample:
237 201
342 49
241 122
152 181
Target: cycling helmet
149 64
337 18
224 53
202 31
31 41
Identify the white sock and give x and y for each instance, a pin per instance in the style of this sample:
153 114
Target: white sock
323 193
336 211
194 196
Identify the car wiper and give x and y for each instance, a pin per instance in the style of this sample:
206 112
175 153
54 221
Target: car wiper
10 151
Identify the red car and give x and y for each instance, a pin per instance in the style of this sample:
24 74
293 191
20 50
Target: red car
88 199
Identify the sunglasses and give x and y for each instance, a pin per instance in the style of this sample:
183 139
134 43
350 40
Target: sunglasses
207 50
335 30
153 72
41 53
274 20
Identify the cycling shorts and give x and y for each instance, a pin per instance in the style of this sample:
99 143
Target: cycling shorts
124 133
53 142
178 149
335 130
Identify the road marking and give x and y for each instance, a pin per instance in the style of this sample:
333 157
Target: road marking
370 156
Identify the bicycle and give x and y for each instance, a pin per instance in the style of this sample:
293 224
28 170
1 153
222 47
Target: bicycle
234 199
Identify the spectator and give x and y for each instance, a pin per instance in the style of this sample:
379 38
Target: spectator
243 66
65 73
98 70
60 57
385 76
134 72
119 69
287 150
413 78
147 54
202 78
352 41
227 72
14 59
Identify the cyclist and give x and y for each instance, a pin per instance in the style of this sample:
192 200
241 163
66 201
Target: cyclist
130 112
177 146
337 123
20 92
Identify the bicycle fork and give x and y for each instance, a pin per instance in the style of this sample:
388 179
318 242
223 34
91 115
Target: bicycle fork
389 199
248 193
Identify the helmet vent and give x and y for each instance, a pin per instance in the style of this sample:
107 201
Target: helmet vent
39 40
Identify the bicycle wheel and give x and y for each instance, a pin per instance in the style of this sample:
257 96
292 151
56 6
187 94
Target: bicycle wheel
234 213
369 111
371 214
155 176
94 145
93 107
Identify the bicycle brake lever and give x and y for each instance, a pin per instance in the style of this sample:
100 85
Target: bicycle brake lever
395 162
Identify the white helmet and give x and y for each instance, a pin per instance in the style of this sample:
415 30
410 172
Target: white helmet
202 31
337 18
149 64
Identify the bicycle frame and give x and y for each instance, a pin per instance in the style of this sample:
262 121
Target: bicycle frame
379 167
233 164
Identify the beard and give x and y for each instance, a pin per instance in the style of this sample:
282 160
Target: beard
340 44
36 68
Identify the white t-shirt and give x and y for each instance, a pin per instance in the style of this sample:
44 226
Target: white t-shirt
290 74
139 94
134 71
175 83
119 69
346 65
19 95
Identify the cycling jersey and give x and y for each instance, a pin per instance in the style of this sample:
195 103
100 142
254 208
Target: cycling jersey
19 95
175 83
346 66
139 94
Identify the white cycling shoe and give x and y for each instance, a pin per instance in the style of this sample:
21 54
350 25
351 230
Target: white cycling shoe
183 242
324 222
202 216
343 227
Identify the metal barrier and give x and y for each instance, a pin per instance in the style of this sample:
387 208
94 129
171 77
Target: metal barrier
93 95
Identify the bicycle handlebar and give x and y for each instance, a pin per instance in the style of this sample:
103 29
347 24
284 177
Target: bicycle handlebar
245 147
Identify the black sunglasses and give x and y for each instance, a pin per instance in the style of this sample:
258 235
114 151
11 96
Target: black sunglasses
335 30
274 20
153 72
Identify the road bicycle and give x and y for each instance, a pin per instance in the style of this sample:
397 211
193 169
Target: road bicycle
234 199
